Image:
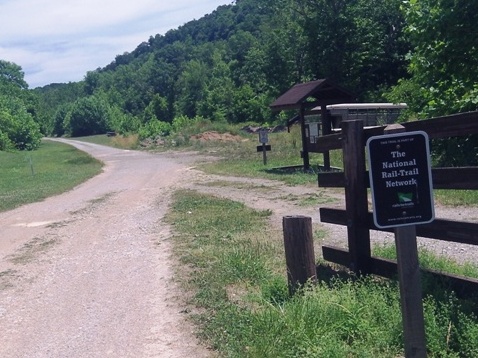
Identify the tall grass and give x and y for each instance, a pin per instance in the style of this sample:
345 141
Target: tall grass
26 177
235 266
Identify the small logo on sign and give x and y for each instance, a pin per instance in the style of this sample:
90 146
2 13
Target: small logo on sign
405 197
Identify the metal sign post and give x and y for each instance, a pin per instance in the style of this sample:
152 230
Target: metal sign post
263 138
400 179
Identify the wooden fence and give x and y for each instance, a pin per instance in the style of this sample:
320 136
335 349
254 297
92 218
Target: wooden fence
359 220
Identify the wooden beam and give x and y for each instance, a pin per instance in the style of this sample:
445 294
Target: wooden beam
464 287
462 232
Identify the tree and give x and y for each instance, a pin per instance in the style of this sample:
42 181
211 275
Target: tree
358 44
444 58
11 76
18 129
157 109
190 88
443 66
88 116
51 99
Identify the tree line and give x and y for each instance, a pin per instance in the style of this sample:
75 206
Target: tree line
231 64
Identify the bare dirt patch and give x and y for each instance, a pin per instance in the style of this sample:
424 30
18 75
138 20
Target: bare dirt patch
217 137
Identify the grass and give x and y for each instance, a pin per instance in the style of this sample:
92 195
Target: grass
432 261
233 262
242 158
457 197
28 177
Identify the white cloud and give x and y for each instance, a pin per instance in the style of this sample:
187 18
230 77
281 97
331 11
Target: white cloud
59 41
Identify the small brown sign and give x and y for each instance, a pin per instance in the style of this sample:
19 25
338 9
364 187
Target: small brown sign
263 147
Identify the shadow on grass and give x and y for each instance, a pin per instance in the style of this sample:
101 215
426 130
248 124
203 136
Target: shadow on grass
294 169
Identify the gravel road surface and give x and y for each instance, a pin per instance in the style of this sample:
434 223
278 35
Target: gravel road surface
88 273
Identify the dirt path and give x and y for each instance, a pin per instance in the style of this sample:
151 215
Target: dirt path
89 273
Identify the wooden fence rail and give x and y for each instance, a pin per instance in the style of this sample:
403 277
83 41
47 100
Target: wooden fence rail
355 180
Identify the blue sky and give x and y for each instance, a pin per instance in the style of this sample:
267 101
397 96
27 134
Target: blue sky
60 40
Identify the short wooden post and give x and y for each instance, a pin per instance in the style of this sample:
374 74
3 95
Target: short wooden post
356 202
326 130
264 153
410 283
299 251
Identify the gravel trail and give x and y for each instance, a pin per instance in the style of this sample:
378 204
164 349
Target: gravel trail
88 273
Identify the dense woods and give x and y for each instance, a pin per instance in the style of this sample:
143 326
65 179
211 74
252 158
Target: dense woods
231 64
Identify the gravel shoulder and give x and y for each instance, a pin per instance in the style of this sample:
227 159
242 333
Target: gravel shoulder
89 273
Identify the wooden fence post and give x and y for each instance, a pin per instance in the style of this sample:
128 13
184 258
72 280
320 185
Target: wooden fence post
410 283
299 251
356 202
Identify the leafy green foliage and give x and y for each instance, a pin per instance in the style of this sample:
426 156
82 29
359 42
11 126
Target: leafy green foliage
444 57
88 116
11 77
18 129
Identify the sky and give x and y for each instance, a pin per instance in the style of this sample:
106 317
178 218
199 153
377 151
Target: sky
59 41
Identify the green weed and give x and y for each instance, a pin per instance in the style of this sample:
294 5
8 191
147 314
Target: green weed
235 265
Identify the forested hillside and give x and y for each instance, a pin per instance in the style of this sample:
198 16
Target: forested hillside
231 64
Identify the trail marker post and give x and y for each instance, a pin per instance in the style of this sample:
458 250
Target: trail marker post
263 138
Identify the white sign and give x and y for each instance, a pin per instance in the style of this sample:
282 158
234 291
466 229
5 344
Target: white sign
263 137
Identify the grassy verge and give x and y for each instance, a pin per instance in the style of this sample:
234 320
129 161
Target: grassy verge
235 266
27 177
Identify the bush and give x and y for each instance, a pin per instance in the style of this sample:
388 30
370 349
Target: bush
153 129
18 129
89 116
